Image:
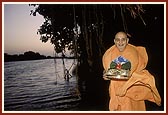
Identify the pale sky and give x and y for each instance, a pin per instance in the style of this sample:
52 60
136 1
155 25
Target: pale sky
20 31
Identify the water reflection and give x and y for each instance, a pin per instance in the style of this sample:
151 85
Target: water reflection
35 85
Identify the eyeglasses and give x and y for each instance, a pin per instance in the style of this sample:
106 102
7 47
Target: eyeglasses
120 39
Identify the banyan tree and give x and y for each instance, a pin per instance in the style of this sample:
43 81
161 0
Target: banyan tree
87 30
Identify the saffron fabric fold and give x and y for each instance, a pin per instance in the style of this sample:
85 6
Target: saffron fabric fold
130 95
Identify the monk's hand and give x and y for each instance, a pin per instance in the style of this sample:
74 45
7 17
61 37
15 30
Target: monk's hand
105 77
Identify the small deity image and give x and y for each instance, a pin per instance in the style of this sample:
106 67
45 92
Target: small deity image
119 69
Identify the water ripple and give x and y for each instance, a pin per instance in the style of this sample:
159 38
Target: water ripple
32 85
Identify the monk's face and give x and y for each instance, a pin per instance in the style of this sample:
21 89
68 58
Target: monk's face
121 41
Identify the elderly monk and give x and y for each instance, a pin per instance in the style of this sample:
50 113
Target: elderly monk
129 94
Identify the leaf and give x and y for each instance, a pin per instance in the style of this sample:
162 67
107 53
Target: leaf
113 65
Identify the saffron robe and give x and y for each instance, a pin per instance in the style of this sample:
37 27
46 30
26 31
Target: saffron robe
130 95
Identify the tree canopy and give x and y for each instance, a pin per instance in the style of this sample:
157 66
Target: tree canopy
61 19
87 31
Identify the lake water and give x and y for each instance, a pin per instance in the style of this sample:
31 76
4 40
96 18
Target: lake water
39 85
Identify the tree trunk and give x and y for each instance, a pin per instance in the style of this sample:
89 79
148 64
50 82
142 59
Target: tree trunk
93 88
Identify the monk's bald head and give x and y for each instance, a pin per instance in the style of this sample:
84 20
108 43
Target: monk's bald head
121 35
121 40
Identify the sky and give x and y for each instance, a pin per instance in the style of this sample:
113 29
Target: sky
20 31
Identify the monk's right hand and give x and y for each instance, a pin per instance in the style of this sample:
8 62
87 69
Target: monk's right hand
106 78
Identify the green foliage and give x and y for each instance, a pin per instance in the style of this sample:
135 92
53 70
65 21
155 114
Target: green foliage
113 65
57 26
60 20
126 66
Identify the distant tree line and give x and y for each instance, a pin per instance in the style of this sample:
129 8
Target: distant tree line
29 55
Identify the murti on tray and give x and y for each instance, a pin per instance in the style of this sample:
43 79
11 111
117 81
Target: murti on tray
119 69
